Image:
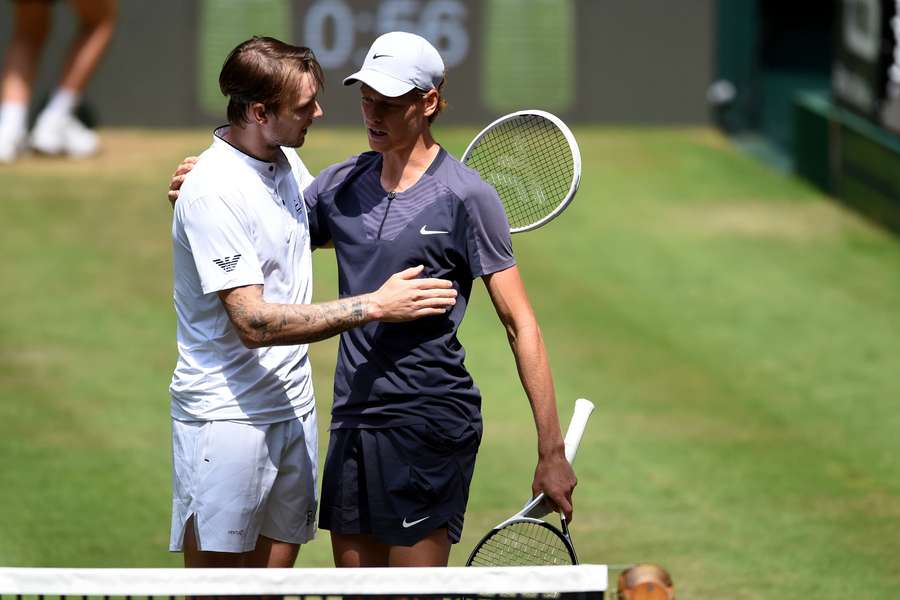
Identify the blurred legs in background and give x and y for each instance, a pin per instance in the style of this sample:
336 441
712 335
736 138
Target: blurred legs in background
56 129
32 23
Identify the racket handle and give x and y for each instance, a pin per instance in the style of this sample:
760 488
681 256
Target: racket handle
583 410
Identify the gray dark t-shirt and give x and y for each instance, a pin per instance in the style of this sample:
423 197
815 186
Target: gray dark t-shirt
391 374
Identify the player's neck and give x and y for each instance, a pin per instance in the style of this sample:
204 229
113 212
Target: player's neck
403 167
249 141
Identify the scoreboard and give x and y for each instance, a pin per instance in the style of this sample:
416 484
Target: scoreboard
866 73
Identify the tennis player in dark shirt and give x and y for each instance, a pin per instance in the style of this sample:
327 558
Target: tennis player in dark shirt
406 420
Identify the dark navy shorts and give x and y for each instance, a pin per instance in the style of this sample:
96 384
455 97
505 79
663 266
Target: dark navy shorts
398 483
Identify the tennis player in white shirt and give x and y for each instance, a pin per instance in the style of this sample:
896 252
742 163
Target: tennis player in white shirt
243 408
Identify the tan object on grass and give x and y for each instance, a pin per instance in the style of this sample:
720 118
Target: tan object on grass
645 582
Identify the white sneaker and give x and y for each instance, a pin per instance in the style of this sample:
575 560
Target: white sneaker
11 145
63 135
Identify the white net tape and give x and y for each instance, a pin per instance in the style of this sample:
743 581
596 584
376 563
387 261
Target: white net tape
448 581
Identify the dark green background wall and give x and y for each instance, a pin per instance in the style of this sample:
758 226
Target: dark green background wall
643 61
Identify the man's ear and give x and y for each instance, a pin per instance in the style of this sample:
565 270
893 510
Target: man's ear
258 113
431 100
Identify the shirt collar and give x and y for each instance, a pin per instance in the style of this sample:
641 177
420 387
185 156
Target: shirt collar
265 169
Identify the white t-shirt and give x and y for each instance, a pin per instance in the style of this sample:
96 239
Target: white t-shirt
239 221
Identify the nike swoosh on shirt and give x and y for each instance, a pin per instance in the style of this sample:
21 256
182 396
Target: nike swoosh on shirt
426 231
416 522
374 56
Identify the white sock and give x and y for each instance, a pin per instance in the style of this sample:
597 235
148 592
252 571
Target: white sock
62 104
13 118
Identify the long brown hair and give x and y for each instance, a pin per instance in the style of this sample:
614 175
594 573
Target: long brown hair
264 70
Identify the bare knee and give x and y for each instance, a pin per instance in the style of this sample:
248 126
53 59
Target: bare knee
194 557
431 551
272 554
95 15
358 550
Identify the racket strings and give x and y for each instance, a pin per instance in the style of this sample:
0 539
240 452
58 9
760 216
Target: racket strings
523 544
530 163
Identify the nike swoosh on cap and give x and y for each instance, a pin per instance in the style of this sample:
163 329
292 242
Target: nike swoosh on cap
416 522
426 231
374 56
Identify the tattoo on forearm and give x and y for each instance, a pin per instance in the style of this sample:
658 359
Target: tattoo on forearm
278 324
359 310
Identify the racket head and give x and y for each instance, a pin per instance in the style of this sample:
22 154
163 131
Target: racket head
522 541
533 161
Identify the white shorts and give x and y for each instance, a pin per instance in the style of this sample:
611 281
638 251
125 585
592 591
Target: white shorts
241 481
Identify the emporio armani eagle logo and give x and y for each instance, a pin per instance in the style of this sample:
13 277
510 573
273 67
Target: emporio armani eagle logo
227 263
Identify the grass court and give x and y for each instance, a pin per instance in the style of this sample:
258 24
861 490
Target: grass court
737 331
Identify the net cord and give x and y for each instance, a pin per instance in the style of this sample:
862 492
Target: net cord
319 582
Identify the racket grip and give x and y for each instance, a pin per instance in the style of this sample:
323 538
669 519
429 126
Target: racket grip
583 410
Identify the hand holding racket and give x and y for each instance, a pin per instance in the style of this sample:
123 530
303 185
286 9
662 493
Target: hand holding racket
524 539
533 161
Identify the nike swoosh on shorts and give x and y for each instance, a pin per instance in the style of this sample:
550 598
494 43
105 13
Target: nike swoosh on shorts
416 522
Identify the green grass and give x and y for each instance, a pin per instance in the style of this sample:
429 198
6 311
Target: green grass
737 331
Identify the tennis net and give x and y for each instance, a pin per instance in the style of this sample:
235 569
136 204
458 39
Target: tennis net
582 582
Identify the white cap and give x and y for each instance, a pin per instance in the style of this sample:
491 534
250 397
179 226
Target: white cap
397 62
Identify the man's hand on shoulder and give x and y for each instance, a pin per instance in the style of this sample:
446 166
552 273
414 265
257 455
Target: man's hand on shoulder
178 178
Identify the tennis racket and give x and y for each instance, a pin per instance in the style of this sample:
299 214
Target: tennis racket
524 539
532 160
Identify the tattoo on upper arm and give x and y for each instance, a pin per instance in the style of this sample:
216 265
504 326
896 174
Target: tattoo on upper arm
240 310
